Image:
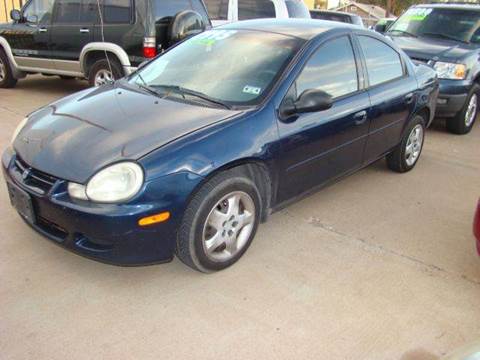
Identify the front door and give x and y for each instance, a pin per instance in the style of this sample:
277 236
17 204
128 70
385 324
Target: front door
31 36
72 29
320 146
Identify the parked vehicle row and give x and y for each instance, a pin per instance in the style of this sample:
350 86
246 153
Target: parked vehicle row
64 37
339 16
189 157
446 37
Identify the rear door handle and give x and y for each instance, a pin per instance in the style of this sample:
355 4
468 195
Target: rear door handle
360 117
409 99
84 31
42 30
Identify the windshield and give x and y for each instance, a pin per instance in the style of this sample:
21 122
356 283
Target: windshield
452 24
233 67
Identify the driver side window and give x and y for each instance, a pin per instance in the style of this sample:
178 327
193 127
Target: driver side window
332 69
39 11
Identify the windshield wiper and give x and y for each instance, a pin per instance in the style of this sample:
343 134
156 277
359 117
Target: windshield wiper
146 87
444 36
183 91
403 32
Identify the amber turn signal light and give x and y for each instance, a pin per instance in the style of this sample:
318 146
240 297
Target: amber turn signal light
154 219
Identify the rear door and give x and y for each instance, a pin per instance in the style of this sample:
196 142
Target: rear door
72 29
391 90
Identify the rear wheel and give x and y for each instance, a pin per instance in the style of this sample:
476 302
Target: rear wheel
219 223
463 122
7 80
406 155
104 72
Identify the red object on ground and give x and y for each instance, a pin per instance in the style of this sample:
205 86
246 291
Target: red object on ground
476 227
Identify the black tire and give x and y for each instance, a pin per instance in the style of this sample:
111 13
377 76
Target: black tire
458 124
398 160
190 242
63 77
8 81
103 65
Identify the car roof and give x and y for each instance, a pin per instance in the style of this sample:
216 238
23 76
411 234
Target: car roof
302 28
474 7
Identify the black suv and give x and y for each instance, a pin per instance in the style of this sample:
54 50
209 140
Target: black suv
66 38
447 37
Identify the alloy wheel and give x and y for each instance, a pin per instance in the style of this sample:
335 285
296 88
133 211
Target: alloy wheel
103 77
414 145
228 226
471 112
3 70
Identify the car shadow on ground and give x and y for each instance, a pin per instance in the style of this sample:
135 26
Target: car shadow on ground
52 85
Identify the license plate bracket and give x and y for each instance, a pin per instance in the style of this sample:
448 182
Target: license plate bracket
22 202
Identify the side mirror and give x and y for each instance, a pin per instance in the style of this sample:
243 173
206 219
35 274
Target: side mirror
32 19
15 15
311 100
381 28
185 24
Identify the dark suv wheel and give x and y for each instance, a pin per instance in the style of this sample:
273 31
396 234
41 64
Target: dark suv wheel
6 75
463 122
103 72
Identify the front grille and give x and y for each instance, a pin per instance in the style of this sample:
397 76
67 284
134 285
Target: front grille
35 180
51 228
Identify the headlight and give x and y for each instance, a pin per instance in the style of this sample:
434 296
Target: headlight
114 184
19 128
450 71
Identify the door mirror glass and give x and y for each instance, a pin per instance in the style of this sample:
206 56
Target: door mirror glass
381 28
312 100
15 15
32 19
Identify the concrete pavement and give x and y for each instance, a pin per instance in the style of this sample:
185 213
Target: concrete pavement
378 266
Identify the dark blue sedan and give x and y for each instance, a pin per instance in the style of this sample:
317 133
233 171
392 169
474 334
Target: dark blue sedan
189 154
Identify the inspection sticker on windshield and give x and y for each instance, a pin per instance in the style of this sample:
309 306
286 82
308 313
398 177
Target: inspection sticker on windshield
213 36
252 90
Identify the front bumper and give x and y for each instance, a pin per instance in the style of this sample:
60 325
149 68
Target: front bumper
105 232
452 97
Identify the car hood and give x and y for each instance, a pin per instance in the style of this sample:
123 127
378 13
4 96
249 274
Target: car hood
433 49
77 136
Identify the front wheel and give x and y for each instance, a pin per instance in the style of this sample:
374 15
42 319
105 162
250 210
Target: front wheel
463 122
7 80
104 72
407 153
220 223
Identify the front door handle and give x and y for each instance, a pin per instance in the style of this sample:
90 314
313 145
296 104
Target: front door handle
42 30
409 99
360 117
84 31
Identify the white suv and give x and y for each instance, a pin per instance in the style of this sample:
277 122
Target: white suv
225 11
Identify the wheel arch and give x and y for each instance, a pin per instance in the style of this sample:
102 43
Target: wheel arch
96 50
255 169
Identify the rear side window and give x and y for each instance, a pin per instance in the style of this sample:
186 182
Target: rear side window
217 9
383 62
255 9
332 68
117 11
166 9
76 11
330 17
297 9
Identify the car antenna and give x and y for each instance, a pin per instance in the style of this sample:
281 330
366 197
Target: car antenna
102 32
